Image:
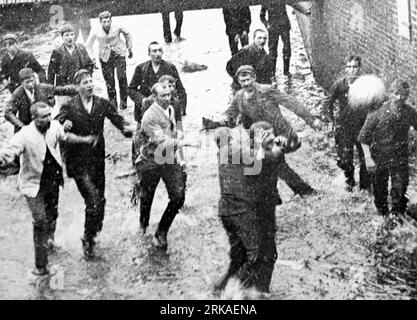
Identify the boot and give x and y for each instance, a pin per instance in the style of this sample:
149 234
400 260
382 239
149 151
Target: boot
88 244
350 181
160 240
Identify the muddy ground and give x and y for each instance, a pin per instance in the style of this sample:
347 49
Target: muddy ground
329 246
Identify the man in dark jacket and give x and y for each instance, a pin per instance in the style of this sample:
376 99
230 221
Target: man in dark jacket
278 25
148 73
255 56
68 59
248 199
86 113
17 110
348 124
256 102
237 22
384 138
14 61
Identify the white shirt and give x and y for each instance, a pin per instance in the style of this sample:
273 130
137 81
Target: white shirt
31 95
88 105
30 145
70 51
110 41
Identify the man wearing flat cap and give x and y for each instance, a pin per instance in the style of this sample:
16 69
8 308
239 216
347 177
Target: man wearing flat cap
17 110
14 61
66 60
69 58
255 55
261 102
112 54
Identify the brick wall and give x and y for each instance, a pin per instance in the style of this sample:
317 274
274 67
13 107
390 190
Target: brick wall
368 28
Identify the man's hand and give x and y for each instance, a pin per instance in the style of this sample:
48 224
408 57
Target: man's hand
130 56
129 130
237 38
317 124
267 139
277 152
267 25
93 140
67 125
281 141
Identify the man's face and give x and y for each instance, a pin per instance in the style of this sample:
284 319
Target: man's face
246 81
43 119
353 68
106 23
259 39
29 84
401 95
156 52
164 97
86 87
68 38
11 47
171 85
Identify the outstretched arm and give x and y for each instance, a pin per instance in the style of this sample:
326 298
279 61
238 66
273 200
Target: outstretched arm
292 104
14 148
11 110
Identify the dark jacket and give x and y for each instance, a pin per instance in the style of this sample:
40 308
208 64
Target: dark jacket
265 106
386 132
19 103
277 17
258 59
63 65
9 69
241 187
140 86
80 155
237 20
348 121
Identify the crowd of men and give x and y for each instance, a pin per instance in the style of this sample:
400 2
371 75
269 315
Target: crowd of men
58 119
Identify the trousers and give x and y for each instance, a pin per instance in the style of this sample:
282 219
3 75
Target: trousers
252 247
274 36
399 173
167 27
233 45
44 209
119 63
90 181
345 148
174 178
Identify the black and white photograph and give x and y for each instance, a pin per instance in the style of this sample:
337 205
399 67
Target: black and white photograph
230 152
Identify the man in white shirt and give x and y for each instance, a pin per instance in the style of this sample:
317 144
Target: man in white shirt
112 54
40 176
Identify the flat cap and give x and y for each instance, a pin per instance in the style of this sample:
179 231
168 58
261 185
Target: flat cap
78 75
25 73
10 36
245 69
67 27
104 14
